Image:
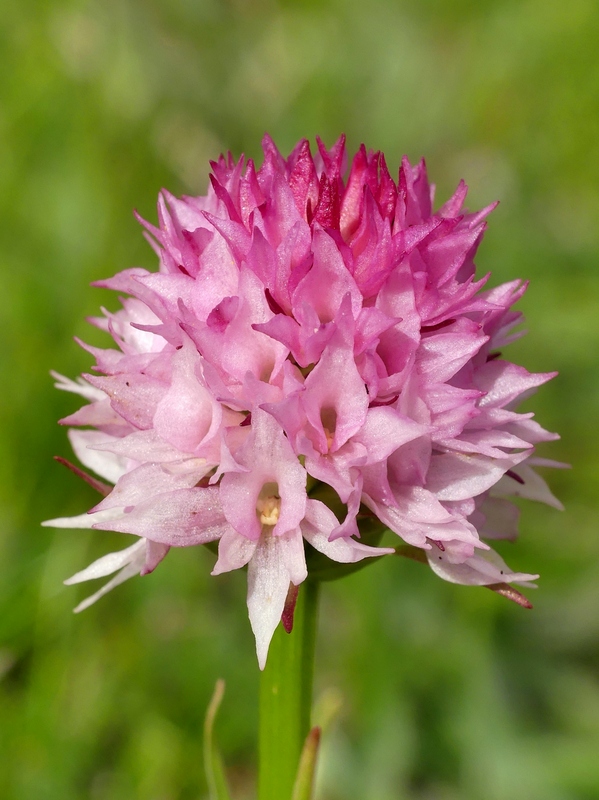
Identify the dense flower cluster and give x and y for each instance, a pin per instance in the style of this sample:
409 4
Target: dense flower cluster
313 352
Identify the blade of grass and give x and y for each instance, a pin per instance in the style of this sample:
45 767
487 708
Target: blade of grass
304 781
213 763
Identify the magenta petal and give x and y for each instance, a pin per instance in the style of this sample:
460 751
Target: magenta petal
327 283
335 396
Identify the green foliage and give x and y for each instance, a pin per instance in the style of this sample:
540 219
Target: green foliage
451 693
213 761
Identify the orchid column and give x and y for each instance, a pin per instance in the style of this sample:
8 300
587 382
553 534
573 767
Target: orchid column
314 356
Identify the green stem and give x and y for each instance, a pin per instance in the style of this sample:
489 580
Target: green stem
286 698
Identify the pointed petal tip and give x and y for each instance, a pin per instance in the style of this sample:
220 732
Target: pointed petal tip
83 605
262 656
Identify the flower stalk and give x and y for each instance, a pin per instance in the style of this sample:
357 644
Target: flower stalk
286 698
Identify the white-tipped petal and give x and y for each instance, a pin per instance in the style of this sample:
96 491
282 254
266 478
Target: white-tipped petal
84 520
111 562
127 572
533 487
482 569
277 562
80 387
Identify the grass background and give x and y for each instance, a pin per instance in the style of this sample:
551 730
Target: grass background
449 693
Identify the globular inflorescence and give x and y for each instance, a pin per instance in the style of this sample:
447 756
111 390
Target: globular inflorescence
314 355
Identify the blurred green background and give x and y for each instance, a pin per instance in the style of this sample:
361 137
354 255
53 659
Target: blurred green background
449 693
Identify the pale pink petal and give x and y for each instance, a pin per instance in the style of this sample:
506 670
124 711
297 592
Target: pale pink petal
140 558
155 553
80 386
148 480
180 518
384 431
188 414
234 552
504 382
318 525
500 519
142 446
270 459
455 476
528 484
482 569
335 396
277 562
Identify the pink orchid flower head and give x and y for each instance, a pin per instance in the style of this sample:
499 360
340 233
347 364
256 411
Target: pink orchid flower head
314 356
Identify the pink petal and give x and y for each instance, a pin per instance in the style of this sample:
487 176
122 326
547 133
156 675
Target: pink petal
270 459
455 476
180 518
188 414
317 527
234 552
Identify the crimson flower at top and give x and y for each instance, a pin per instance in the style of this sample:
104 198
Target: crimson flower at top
313 355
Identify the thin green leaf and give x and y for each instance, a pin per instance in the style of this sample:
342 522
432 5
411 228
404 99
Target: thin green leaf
304 781
213 763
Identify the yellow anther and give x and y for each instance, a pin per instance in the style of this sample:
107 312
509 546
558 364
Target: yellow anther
268 505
